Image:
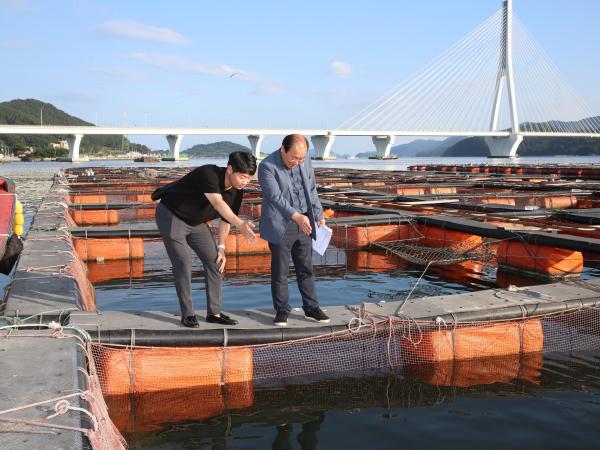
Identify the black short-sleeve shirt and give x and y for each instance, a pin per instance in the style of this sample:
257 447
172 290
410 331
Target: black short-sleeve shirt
186 197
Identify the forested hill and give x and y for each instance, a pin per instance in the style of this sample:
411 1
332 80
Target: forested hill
538 146
215 149
30 111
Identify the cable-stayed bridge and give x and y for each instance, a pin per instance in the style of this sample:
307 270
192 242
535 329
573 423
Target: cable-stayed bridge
496 83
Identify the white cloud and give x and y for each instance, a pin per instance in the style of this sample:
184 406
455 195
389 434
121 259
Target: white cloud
136 30
341 69
179 63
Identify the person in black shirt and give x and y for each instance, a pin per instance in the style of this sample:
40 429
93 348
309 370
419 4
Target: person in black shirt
186 205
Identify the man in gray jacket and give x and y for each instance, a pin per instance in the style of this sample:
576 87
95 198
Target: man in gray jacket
291 212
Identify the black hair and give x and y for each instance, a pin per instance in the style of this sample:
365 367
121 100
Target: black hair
293 139
242 162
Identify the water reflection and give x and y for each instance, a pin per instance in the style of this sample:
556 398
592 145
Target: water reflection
286 413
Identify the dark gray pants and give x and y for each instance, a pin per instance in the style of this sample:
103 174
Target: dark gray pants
298 246
179 238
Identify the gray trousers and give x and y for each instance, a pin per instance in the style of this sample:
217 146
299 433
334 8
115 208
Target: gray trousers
297 246
179 239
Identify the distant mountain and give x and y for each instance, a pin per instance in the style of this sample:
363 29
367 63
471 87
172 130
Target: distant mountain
30 111
441 147
538 146
418 147
415 147
215 149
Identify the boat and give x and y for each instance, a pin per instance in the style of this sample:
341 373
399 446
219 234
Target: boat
148 158
11 225
383 157
351 157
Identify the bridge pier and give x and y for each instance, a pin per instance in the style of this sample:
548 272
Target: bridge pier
322 144
383 144
503 147
174 141
74 141
255 144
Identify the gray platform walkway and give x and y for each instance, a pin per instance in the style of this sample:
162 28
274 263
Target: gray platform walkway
29 375
256 325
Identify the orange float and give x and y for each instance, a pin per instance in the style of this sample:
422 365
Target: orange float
94 249
363 236
88 198
140 370
84 217
477 341
438 237
539 259
559 202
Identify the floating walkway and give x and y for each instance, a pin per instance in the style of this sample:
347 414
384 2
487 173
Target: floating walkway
539 225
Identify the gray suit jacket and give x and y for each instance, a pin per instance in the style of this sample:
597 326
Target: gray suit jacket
276 186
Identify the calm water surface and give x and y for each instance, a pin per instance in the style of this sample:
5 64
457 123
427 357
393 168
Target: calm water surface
491 405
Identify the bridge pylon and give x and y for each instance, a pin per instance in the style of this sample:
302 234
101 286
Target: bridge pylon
255 144
505 147
322 144
174 141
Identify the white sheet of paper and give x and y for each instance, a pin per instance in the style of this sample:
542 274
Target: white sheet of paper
323 237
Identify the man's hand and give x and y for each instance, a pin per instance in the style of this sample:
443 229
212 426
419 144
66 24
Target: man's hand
321 222
303 222
246 228
221 259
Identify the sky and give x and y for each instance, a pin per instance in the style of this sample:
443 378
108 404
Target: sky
284 64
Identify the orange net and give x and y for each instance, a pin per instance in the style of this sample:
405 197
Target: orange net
381 343
148 387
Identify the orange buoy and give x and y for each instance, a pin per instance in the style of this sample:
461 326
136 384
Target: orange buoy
362 236
476 341
498 200
443 237
94 249
88 198
539 259
559 202
141 370
84 217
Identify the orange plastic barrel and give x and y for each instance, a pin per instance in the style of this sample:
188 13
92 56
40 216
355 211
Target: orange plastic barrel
141 370
88 198
362 236
559 202
544 260
498 200
478 341
95 217
109 248
442 237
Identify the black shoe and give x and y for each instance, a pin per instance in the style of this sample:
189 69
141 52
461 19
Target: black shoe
221 319
281 319
190 321
316 314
